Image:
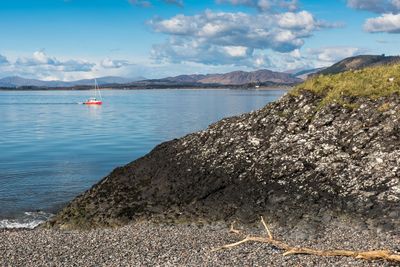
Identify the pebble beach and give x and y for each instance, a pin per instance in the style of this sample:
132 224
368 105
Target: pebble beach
148 244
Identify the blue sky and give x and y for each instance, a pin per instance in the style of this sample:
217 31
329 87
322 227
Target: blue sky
73 39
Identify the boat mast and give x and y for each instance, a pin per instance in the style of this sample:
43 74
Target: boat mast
96 89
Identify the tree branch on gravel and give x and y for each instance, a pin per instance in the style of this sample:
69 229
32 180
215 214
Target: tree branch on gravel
290 250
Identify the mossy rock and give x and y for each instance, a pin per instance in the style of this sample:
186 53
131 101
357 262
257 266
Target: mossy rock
372 83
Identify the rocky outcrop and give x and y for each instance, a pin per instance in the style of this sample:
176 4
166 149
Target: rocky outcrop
291 160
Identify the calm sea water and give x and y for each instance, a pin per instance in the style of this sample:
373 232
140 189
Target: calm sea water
52 149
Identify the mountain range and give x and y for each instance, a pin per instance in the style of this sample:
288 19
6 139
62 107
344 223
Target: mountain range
232 78
16 81
236 78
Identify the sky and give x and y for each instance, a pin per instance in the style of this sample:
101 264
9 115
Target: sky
76 39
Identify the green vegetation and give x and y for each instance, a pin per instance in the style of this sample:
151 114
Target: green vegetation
371 82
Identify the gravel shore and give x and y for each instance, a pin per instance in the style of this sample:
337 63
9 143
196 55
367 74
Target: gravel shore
148 244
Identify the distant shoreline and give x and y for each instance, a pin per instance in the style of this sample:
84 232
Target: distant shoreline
232 87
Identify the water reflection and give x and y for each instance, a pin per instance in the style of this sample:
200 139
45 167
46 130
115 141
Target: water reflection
53 148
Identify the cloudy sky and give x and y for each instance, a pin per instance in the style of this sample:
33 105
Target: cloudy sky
74 39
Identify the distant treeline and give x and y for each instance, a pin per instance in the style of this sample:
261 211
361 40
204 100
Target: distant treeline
155 85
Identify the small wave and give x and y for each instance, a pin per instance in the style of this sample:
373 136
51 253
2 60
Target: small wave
28 220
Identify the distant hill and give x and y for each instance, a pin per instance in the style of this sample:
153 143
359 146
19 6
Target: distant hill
359 62
193 78
259 76
303 74
16 81
237 78
108 80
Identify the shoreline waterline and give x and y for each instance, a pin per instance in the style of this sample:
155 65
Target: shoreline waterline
53 152
29 220
261 88
181 245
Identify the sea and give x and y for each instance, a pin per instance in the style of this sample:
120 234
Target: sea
52 148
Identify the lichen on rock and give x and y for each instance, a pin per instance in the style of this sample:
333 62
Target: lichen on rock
291 161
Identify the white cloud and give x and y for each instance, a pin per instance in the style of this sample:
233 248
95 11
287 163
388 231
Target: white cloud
301 21
41 66
264 5
3 60
329 55
389 23
195 58
241 29
311 58
396 4
296 53
389 10
177 51
232 38
113 64
40 58
148 3
236 51
376 6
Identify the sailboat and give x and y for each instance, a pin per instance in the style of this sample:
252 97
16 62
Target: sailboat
93 100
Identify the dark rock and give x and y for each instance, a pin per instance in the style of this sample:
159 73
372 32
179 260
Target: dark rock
287 160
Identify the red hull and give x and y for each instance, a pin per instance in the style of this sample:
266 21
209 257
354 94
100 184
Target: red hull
93 103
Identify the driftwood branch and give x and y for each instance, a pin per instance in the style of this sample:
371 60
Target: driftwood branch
233 230
290 250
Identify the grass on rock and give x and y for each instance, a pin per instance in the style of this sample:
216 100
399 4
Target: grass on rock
373 83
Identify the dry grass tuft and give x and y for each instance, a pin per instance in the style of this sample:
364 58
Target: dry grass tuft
373 82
